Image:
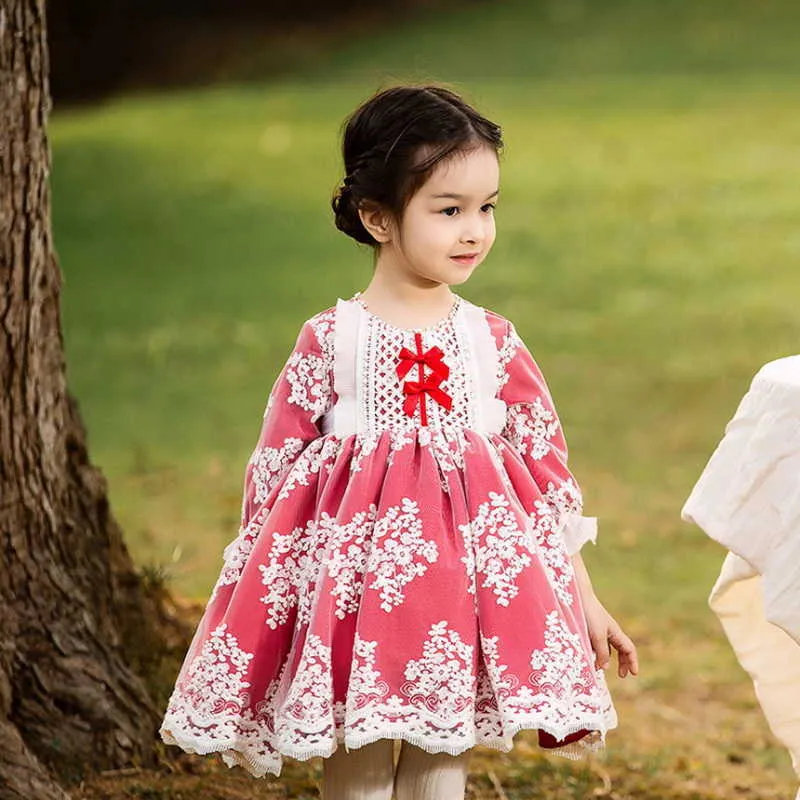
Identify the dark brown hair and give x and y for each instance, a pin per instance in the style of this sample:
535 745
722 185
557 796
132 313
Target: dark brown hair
393 141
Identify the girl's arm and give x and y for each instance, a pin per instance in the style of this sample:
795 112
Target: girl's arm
300 396
604 631
534 430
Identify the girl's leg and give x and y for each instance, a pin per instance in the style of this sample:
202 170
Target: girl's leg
430 776
366 773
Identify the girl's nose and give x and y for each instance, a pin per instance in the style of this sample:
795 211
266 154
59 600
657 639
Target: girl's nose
474 230
472 233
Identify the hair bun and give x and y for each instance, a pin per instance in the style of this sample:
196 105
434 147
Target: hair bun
346 215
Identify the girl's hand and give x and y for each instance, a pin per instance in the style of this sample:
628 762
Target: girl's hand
605 633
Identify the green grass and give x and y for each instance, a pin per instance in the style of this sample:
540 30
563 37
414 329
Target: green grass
648 251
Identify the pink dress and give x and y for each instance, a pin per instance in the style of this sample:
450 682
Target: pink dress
402 568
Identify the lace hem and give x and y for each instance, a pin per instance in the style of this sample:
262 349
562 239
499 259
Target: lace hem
259 766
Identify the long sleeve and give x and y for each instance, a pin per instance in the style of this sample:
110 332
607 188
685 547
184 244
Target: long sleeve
534 430
301 395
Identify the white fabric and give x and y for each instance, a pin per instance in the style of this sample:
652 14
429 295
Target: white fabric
768 654
344 414
748 499
490 410
578 530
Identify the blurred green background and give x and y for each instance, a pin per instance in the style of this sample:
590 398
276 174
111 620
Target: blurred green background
648 251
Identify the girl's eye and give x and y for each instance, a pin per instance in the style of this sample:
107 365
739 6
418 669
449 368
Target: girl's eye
450 212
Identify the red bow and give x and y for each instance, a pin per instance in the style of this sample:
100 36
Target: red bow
415 392
431 358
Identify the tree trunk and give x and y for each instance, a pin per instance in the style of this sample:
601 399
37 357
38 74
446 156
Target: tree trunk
72 606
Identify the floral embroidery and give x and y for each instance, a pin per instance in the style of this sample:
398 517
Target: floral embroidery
307 375
366 685
561 666
324 327
235 555
510 344
497 549
397 539
443 680
552 549
269 463
397 555
502 685
301 718
403 437
317 455
347 561
215 682
530 427
295 560
364 446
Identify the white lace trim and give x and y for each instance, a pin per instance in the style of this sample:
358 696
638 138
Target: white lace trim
441 707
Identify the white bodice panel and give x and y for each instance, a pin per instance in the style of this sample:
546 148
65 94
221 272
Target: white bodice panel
370 393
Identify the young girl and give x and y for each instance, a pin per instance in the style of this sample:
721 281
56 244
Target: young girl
408 562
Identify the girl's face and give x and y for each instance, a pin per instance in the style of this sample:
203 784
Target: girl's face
447 228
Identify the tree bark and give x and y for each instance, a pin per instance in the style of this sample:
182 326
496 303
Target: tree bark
77 631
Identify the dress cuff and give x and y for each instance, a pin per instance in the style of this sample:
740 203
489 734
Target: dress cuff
578 530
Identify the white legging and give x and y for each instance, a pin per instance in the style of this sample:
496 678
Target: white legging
368 773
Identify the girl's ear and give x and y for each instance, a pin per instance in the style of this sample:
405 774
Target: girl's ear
377 221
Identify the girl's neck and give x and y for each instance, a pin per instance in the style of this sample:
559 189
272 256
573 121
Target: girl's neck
405 302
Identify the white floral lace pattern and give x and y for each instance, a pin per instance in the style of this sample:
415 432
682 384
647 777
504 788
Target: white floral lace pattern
399 553
562 693
269 463
508 348
304 719
443 679
497 550
235 556
552 549
531 427
294 562
391 549
307 375
216 680
565 497
318 455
